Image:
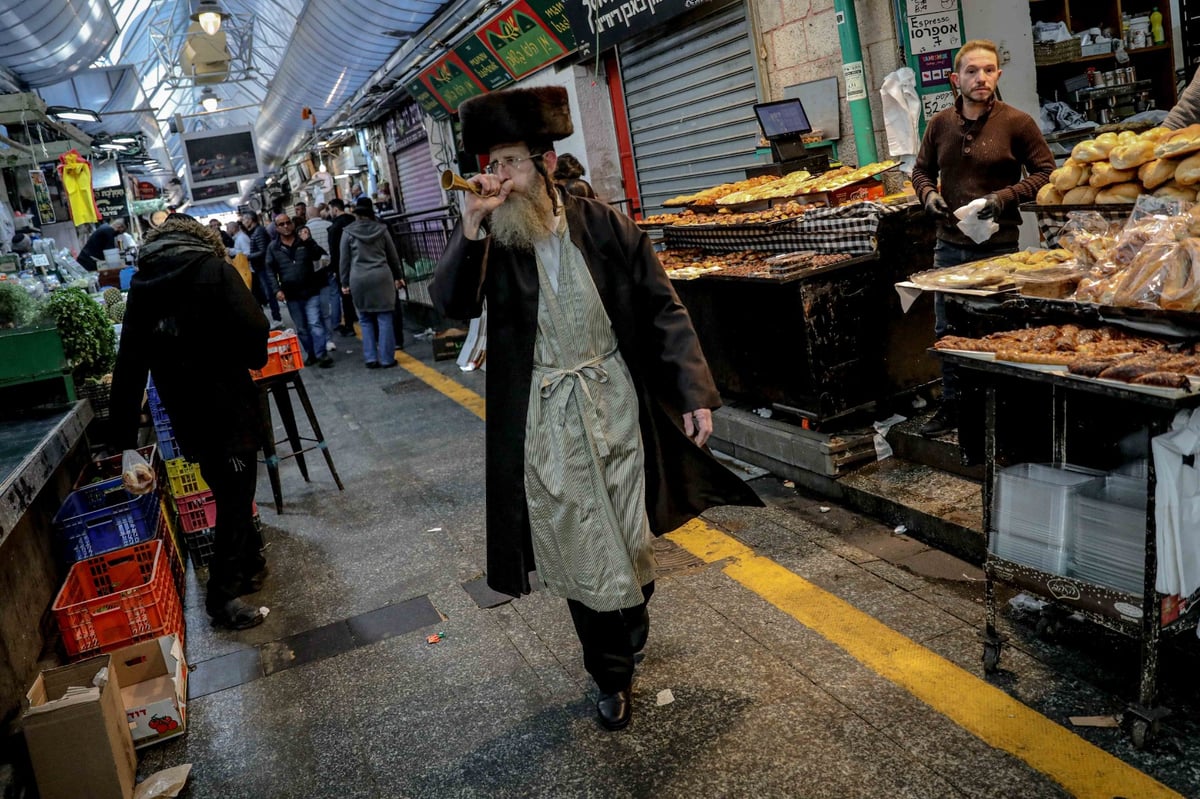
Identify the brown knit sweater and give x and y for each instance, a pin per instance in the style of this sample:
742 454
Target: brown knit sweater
979 157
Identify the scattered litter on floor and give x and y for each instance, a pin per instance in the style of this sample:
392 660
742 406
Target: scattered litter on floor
1025 602
424 334
1095 721
163 784
665 697
883 449
789 484
435 638
434 530
263 611
900 529
824 508
765 413
919 402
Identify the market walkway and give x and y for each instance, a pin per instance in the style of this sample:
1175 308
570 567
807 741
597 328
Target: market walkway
793 652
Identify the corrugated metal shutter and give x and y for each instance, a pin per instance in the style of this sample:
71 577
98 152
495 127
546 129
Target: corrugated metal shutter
420 186
690 91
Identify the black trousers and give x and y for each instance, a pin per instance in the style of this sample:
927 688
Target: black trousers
610 639
236 548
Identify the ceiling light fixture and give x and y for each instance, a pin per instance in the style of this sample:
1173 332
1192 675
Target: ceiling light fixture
62 112
209 14
111 146
209 99
125 140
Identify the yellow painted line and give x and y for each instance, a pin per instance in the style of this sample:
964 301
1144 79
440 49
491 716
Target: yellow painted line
1084 770
993 716
435 379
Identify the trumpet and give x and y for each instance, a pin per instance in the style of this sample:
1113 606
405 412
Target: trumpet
454 182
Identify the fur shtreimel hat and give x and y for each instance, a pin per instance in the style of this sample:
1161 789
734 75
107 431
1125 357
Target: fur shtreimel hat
534 116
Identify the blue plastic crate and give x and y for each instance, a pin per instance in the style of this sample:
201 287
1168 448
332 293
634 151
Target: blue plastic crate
167 445
104 516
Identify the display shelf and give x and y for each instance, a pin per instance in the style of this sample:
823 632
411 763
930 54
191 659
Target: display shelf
1083 417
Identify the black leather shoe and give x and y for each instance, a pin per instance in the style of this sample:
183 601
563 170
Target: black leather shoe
945 420
254 583
615 710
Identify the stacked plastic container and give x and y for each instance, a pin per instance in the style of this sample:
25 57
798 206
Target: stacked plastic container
191 507
125 575
1073 521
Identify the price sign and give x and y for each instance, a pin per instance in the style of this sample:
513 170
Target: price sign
938 101
41 259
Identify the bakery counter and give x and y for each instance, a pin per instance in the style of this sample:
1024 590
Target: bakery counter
826 342
40 456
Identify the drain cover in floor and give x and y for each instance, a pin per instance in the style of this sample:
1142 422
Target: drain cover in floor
674 559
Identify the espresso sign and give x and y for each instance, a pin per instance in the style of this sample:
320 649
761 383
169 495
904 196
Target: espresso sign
600 24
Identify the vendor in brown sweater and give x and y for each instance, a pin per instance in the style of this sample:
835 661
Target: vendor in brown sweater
979 148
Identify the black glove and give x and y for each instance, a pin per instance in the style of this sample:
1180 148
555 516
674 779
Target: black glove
992 208
935 206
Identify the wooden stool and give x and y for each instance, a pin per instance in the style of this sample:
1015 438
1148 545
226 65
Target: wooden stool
277 386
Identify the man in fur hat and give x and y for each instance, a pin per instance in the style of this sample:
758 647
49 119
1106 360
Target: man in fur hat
599 400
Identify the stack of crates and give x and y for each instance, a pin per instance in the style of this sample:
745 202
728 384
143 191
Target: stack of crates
164 433
191 509
125 578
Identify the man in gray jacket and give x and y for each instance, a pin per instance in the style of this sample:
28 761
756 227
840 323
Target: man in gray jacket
370 273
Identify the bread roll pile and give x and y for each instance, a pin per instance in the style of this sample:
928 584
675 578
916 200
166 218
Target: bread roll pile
1116 168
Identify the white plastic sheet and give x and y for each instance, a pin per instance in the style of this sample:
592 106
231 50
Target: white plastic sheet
1177 505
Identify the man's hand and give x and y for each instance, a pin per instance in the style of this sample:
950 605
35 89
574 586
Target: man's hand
991 207
935 206
399 285
494 192
698 425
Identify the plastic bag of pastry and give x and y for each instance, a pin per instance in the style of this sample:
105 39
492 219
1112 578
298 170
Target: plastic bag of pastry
1154 264
1089 236
136 474
1181 287
1154 206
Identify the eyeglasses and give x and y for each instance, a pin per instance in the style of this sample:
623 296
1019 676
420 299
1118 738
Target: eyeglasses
511 163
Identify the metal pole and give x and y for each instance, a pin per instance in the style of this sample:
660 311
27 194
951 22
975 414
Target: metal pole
856 81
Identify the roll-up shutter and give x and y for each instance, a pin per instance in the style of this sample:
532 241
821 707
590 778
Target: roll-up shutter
420 187
690 91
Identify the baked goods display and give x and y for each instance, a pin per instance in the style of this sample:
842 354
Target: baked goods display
1105 353
690 218
994 273
710 196
766 187
1115 168
687 263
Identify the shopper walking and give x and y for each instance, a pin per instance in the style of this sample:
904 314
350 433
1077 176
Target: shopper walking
331 297
192 325
339 219
259 242
215 226
978 148
569 174
292 262
370 274
599 400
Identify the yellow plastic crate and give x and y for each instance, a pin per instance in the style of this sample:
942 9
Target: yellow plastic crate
184 477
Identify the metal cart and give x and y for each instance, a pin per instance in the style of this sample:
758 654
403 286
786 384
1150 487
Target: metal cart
1082 419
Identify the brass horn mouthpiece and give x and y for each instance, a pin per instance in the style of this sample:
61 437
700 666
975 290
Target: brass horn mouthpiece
454 182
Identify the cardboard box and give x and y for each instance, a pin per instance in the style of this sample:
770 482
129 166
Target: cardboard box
448 344
78 739
153 679
869 189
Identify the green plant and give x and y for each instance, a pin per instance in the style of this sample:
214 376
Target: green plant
17 308
87 334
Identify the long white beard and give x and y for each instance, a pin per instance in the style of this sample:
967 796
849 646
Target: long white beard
523 219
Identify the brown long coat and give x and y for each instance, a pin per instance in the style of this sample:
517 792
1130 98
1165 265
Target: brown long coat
656 339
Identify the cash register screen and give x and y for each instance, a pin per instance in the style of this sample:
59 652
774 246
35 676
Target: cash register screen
782 119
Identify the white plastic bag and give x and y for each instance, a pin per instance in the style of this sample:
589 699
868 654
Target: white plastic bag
976 229
136 474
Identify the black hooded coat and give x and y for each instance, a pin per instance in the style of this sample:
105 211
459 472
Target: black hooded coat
191 322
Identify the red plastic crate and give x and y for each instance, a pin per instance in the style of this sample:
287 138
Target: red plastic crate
283 355
117 599
196 511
